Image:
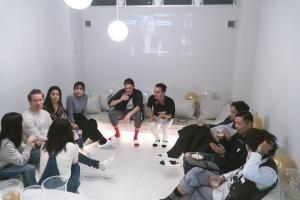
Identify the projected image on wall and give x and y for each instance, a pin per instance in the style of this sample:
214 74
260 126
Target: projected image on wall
154 32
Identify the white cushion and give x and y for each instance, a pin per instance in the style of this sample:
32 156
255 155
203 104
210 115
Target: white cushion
104 97
209 109
184 109
224 113
93 105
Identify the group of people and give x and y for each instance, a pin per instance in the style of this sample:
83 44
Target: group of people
224 165
51 138
234 163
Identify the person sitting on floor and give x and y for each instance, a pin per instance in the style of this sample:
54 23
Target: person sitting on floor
76 106
196 137
37 122
162 112
252 181
17 159
59 155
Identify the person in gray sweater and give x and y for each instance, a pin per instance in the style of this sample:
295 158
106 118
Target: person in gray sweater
17 159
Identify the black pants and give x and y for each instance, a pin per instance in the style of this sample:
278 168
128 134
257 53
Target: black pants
89 128
192 138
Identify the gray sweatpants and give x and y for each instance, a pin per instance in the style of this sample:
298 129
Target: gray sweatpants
196 184
115 115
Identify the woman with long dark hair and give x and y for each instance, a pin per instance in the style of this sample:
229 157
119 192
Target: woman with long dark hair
59 154
56 110
15 156
76 106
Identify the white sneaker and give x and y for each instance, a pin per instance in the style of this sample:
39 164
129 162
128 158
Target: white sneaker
165 156
108 144
103 165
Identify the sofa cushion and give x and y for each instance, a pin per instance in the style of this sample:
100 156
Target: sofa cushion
104 97
184 109
93 105
210 108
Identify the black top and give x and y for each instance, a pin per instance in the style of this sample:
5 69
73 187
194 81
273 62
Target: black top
168 107
235 155
137 99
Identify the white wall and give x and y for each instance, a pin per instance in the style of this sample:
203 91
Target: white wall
276 82
247 31
35 49
200 49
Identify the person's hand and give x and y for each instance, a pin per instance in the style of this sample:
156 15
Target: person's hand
264 147
127 117
218 148
152 119
216 181
31 139
227 134
74 126
124 97
163 115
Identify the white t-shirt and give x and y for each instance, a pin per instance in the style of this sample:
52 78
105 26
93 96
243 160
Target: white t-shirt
37 123
64 160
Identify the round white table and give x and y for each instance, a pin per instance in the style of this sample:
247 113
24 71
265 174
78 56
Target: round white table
58 195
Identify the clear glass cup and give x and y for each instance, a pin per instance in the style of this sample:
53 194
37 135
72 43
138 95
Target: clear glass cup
52 184
55 183
33 192
220 133
11 189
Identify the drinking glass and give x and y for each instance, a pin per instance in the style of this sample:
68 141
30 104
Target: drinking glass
51 186
33 192
11 189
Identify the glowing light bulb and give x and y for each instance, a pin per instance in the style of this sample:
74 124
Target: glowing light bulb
78 4
117 31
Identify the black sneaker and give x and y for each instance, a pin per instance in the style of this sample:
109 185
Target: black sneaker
169 163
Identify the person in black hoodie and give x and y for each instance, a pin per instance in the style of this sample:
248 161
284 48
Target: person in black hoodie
196 137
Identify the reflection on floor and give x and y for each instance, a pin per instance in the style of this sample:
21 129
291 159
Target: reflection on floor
138 174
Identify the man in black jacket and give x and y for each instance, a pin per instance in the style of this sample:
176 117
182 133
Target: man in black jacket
230 153
196 137
128 104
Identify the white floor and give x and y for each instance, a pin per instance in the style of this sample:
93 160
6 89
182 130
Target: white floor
138 174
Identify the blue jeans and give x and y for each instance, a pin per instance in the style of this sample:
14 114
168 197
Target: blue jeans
27 171
88 161
74 180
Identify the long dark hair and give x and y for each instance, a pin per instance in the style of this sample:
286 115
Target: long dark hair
59 134
47 103
11 128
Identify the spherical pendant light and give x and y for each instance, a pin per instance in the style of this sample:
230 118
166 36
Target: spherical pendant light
78 4
117 31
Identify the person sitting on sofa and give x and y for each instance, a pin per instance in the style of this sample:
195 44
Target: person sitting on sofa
229 153
128 104
76 106
252 181
162 111
16 158
196 137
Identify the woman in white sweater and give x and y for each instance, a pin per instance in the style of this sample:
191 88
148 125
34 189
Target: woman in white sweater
59 155
15 156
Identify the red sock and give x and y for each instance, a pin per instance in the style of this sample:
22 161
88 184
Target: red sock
136 133
117 132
